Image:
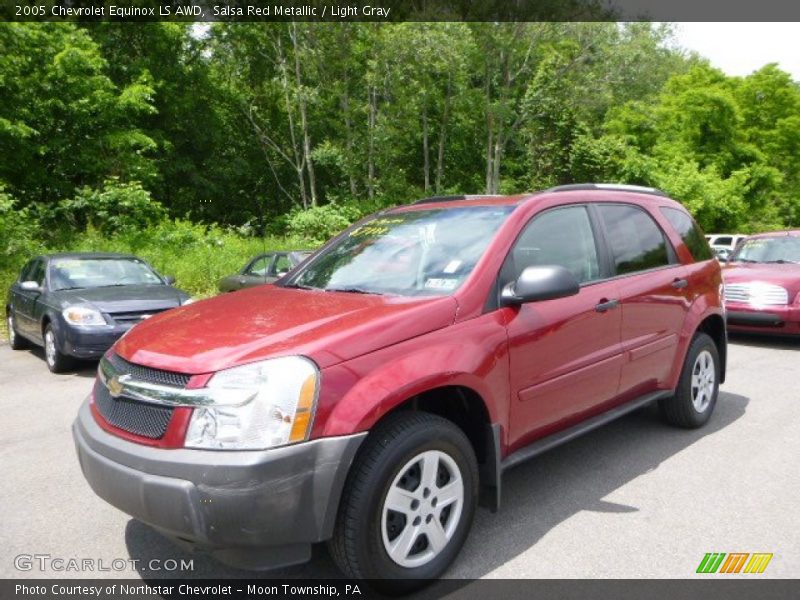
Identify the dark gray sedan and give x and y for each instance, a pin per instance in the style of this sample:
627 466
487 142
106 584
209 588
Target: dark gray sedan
264 268
77 305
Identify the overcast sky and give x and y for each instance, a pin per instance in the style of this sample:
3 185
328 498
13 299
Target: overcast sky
741 48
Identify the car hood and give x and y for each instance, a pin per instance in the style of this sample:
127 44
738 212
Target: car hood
124 298
269 321
784 275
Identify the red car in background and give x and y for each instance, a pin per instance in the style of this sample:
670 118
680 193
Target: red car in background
762 284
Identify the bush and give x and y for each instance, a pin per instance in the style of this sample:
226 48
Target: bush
321 223
114 209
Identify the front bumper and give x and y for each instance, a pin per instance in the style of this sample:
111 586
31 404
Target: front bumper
769 319
250 509
89 343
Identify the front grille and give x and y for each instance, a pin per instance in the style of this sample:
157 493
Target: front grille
147 374
138 418
134 316
756 293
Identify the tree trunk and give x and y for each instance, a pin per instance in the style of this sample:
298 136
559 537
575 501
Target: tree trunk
350 144
298 161
443 135
301 97
425 148
373 109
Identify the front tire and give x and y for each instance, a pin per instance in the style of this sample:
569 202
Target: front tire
57 361
408 503
15 340
698 387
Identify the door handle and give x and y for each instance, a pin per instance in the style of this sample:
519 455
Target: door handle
606 305
679 284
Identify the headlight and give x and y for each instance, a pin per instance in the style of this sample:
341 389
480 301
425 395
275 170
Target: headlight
278 412
188 301
80 315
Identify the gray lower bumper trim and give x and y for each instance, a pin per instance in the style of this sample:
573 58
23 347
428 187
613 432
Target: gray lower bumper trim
232 503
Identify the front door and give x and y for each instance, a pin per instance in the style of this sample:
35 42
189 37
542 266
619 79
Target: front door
565 353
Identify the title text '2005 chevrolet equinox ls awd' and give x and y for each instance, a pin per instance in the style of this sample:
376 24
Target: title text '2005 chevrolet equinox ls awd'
374 396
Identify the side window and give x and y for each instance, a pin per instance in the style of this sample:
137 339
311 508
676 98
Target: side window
282 265
260 267
636 242
689 231
723 241
27 271
37 273
561 236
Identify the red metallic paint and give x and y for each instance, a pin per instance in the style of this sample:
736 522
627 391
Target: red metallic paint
537 368
784 275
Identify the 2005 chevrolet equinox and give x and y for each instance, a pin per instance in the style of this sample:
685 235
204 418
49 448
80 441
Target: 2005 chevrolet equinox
375 395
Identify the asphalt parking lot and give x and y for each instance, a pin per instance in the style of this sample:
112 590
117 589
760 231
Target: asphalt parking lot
636 499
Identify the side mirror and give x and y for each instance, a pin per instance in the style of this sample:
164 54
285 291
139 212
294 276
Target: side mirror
540 283
169 279
31 286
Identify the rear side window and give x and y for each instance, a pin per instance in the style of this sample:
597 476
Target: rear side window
689 231
563 237
636 241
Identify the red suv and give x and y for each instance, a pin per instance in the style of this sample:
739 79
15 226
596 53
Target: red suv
375 395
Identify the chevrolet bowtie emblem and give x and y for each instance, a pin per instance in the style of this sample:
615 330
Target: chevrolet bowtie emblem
115 386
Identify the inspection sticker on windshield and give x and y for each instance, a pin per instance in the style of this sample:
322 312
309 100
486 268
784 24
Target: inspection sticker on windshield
441 283
452 266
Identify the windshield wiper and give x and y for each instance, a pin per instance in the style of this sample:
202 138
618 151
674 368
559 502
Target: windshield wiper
352 290
782 261
300 286
74 287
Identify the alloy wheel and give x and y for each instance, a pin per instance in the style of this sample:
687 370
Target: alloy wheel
703 380
422 509
50 347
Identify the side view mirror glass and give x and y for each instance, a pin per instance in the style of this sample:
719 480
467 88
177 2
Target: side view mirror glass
540 283
30 286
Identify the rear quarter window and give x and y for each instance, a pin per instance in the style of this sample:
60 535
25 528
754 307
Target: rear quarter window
690 233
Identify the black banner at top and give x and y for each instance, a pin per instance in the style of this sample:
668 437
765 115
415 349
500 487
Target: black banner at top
394 11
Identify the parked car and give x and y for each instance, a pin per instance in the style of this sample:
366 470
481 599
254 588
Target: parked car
762 284
264 268
722 253
725 240
77 305
375 395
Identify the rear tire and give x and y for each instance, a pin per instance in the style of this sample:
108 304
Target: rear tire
408 503
15 340
57 361
698 387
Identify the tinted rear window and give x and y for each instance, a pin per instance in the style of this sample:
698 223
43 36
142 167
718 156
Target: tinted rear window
637 243
689 231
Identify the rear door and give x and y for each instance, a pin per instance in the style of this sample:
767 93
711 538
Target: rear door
653 289
565 354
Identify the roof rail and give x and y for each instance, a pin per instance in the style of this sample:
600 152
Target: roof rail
454 198
619 187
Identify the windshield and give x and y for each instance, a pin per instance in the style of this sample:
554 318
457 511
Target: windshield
769 250
77 273
417 253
